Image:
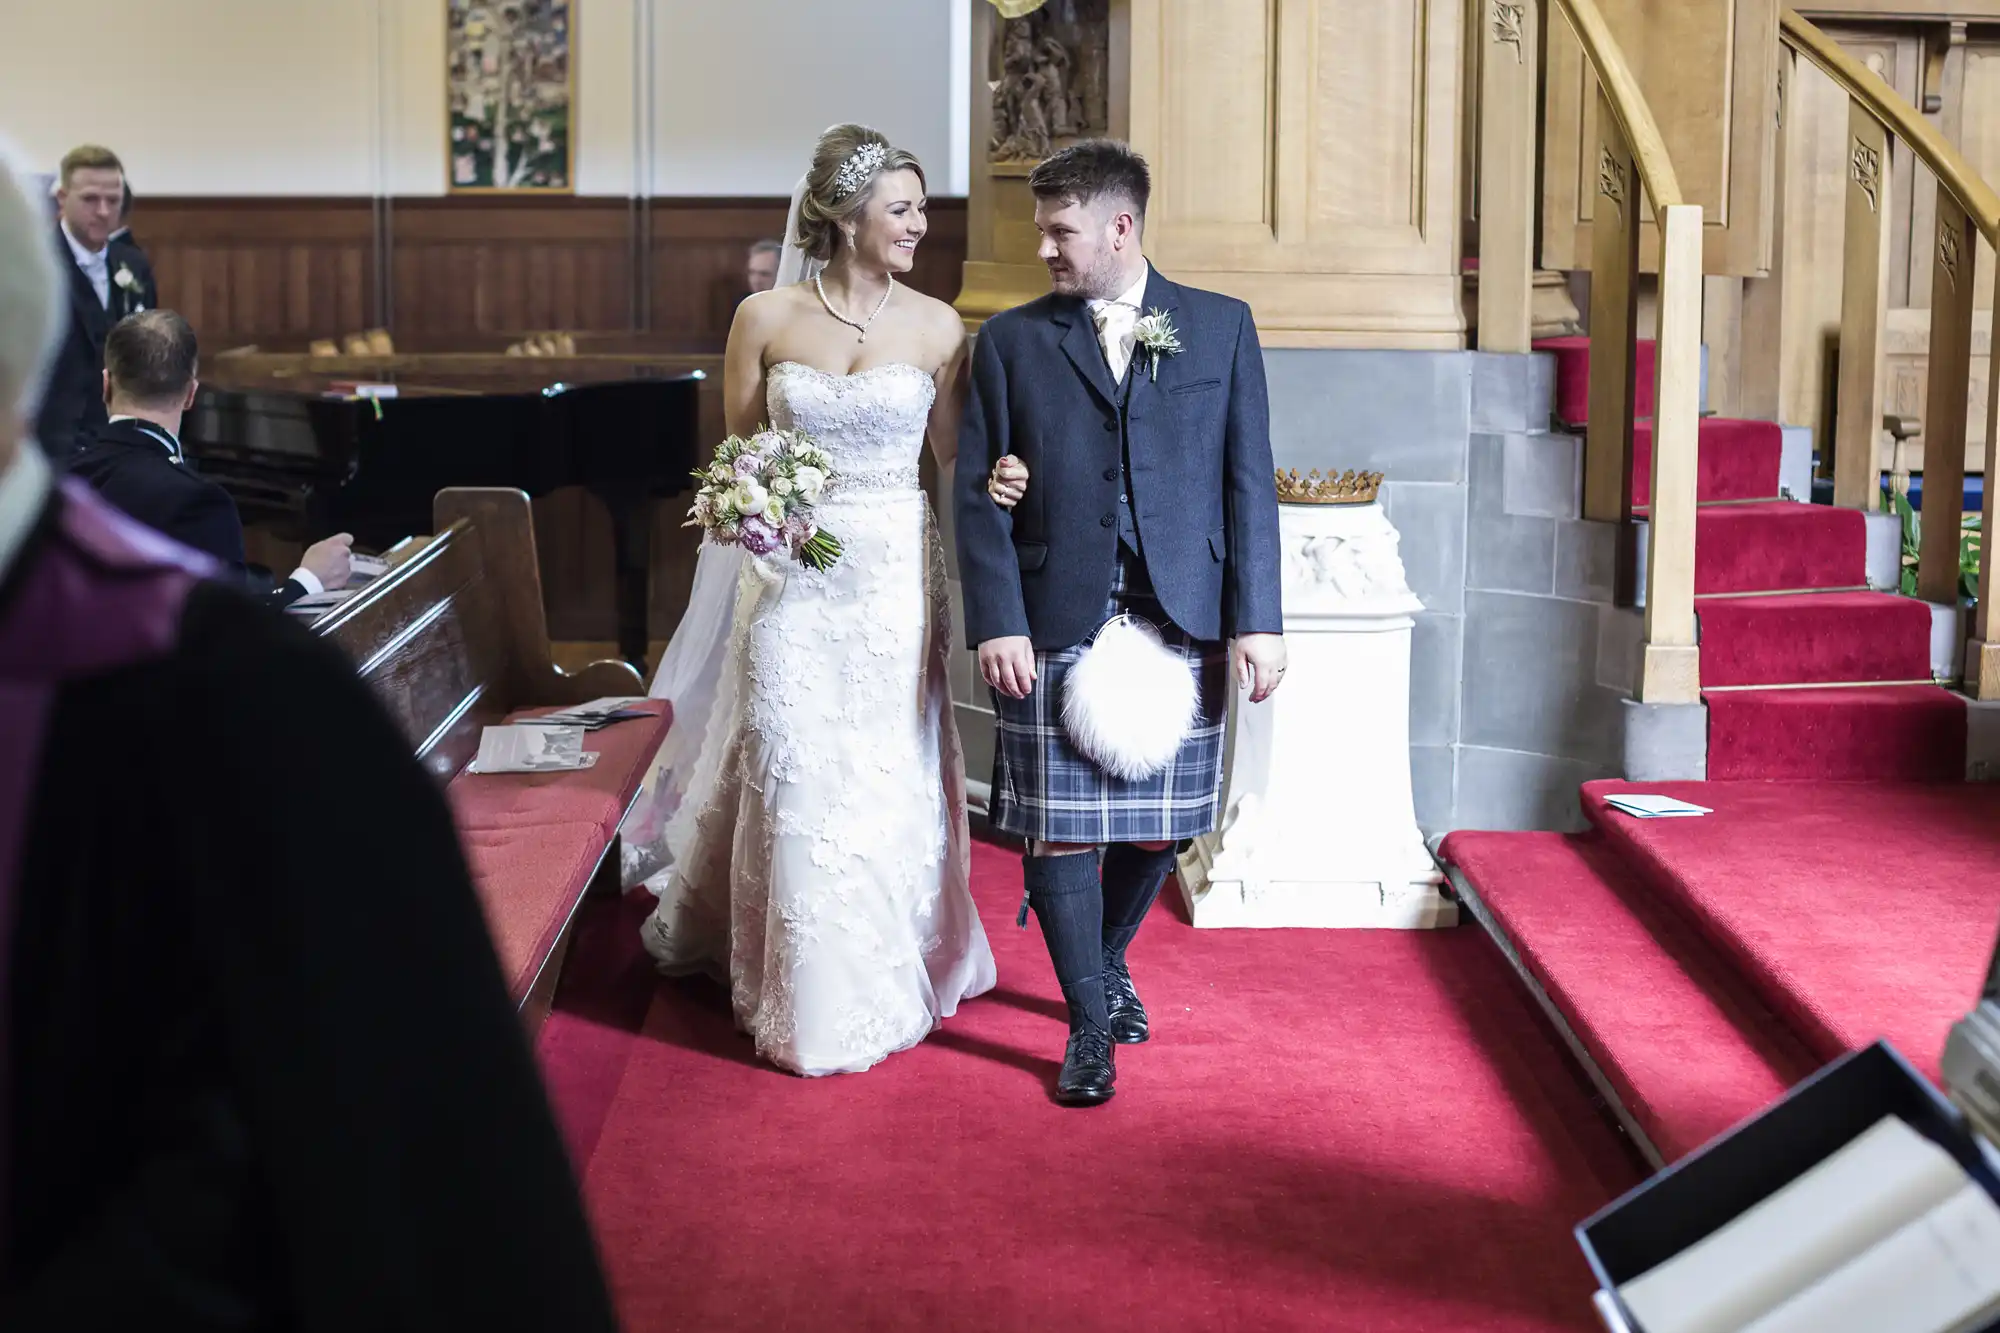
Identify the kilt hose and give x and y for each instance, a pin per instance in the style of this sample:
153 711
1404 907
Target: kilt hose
1044 789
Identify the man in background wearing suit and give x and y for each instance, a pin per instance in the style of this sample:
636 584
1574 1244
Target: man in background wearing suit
134 460
760 266
108 280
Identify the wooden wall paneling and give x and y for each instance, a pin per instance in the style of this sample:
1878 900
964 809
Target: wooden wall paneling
698 248
473 271
1708 69
506 263
1307 157
1906 346
241 270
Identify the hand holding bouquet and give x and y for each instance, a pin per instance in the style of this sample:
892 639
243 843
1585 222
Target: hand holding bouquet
759 494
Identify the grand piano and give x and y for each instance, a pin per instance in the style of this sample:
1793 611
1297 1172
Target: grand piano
309 453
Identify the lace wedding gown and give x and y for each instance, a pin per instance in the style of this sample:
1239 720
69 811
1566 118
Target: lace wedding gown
823 847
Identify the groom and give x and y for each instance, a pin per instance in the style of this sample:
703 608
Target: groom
1138 407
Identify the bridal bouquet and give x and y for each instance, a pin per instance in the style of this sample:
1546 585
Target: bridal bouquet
760 493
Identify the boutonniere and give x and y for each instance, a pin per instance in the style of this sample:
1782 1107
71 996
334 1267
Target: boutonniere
125 278
1157 334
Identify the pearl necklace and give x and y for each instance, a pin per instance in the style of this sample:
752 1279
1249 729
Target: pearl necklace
860 326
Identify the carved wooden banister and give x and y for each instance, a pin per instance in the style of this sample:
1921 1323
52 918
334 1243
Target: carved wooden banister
1967 209
1634 171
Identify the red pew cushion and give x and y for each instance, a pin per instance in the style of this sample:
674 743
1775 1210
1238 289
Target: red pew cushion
597 795
530 879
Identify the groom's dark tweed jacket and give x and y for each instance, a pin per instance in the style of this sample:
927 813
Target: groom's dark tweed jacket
1199 443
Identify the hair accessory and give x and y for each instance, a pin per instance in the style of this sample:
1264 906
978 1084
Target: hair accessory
858 168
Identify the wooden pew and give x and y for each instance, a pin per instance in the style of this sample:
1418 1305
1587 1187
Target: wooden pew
453 639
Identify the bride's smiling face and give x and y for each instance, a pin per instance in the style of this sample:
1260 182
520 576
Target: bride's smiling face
890 224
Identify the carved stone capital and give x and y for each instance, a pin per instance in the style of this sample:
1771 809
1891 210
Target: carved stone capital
1343 561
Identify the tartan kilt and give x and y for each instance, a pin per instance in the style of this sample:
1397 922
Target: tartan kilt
1044 789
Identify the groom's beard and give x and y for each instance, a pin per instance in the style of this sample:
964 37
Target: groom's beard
1102 282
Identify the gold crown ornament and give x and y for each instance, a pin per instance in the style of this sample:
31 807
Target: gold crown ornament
1345 488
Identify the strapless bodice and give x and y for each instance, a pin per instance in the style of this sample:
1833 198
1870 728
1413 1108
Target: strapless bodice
870 423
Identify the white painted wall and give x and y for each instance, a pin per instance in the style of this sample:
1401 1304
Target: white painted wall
346 97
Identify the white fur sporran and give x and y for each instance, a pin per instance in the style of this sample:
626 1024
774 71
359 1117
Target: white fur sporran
1129 701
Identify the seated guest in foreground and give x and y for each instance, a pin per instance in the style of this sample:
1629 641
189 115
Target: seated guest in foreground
261 1069
108 279
134 460
760 269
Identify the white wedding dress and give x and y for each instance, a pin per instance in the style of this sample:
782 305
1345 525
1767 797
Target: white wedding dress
819 855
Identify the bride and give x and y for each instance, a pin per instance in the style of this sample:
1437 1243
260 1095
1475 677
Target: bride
805 827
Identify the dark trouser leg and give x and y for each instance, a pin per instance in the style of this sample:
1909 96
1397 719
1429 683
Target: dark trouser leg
1132 880
1069 904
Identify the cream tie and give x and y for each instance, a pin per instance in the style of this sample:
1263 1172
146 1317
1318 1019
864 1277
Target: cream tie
1115 320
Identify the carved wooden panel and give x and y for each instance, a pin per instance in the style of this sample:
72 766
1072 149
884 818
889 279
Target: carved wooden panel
1709 71
1819 170
1306 154
1906 349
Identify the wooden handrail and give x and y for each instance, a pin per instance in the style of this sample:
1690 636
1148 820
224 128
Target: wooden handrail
1621 89
1901 119
1632 159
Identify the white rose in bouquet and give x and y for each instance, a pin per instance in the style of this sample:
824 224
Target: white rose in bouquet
759 494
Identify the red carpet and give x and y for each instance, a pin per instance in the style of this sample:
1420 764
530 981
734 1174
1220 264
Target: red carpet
1332 1130
1833 637
1737 460
1689 1048
1778 546
1883 733
1747 542
1573 378
1858 910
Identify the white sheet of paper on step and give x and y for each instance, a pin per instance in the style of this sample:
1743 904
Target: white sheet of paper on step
1641 806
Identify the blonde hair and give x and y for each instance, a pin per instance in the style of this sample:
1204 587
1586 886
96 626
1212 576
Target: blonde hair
88 157
829 201
28 292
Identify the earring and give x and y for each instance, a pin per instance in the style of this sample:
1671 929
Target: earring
850 240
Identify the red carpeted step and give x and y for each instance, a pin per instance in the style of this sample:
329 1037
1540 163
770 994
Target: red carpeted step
1883 733
1738 460
1857 909
1688 1048
1830 637
1779 545
1319 1116
1573 378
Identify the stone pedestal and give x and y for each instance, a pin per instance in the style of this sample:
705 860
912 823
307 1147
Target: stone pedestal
1318 828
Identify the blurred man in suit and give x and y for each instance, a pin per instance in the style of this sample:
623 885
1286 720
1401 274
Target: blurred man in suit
134 460
260 1067
108 280
760 268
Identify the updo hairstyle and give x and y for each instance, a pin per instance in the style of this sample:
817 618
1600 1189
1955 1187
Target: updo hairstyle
832 198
